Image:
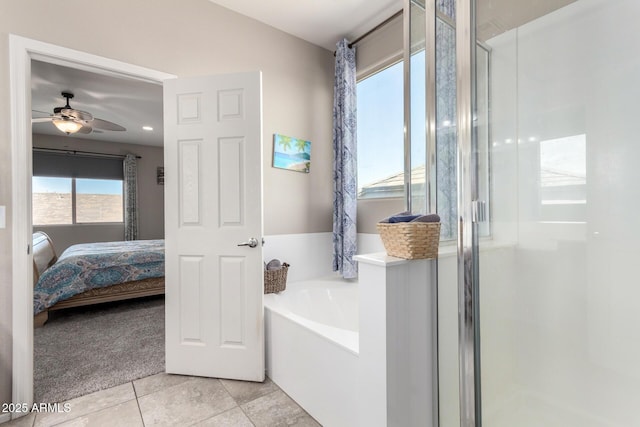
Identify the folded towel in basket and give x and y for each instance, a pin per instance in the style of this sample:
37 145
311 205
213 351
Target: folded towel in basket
403 218
274 264
427 218
407 217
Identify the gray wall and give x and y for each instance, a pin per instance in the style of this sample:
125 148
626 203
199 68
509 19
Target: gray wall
187 38
150 194
371 211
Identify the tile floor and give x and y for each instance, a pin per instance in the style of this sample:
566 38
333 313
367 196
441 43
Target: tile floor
175 400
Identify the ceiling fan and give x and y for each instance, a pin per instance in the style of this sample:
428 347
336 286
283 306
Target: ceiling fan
70 120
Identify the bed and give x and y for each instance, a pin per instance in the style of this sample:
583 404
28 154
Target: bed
94 273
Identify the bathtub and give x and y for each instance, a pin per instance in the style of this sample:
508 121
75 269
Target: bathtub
311 333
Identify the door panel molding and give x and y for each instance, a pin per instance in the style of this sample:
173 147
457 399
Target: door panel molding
216 178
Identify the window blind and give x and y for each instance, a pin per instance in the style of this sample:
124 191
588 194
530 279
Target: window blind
380 49
76 166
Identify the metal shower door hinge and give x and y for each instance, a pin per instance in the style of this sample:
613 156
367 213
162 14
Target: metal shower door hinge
479 210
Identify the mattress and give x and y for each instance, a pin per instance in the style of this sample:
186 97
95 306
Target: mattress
96 265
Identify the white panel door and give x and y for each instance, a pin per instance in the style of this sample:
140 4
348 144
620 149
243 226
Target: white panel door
213 203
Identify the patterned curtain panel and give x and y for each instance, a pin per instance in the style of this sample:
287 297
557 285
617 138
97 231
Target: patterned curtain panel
344 162
446 136
130 165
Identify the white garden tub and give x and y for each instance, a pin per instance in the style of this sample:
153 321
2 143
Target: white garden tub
312 347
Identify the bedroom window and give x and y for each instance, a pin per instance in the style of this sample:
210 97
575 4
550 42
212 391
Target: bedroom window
63 201
52 202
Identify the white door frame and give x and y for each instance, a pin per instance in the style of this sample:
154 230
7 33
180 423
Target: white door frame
21 52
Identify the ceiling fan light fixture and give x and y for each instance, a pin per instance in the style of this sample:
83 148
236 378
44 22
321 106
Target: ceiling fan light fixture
67 126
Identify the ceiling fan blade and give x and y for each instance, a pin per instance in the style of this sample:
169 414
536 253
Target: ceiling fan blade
85 129
105 125
42 119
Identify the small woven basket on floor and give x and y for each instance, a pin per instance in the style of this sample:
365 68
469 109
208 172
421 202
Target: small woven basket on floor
410 240
276 280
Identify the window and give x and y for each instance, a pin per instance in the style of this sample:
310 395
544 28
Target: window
380 104
59 201
52 202
381 134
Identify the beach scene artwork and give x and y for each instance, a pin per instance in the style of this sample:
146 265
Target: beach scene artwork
291 153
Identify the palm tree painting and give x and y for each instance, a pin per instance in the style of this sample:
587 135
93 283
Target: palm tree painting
291 153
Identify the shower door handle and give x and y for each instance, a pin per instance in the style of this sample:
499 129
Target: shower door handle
252 243
479 211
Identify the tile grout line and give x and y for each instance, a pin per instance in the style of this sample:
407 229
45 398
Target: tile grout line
247 415
135 393
239 406
235 401
93 412
220 413
299 405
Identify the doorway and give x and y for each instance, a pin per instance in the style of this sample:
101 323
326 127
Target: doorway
22 52
109 334
213 157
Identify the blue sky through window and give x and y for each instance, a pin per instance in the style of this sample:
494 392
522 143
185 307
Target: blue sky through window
380 129
98 186
43 184
380 125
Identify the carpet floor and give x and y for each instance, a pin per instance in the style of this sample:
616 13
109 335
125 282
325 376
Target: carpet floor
86 349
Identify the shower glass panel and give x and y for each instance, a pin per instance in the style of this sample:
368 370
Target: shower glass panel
559 291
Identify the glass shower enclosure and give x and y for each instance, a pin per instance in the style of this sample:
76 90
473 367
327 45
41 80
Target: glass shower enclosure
560 339
525 128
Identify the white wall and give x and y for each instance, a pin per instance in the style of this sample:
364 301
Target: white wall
310 254
187 38
568 328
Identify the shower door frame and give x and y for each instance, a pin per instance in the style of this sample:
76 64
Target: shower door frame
467 190
430 159
468 216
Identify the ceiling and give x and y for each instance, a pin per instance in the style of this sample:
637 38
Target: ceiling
497 16
134 104
129 103
321 22
325 22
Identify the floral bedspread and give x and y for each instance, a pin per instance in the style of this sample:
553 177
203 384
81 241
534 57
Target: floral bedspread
96 265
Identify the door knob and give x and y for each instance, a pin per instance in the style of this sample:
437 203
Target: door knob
252 243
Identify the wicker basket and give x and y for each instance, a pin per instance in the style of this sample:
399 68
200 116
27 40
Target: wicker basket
275 280
410 240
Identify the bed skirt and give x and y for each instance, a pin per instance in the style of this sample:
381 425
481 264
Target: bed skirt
122 291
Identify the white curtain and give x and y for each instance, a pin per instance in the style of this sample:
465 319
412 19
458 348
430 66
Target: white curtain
130 165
